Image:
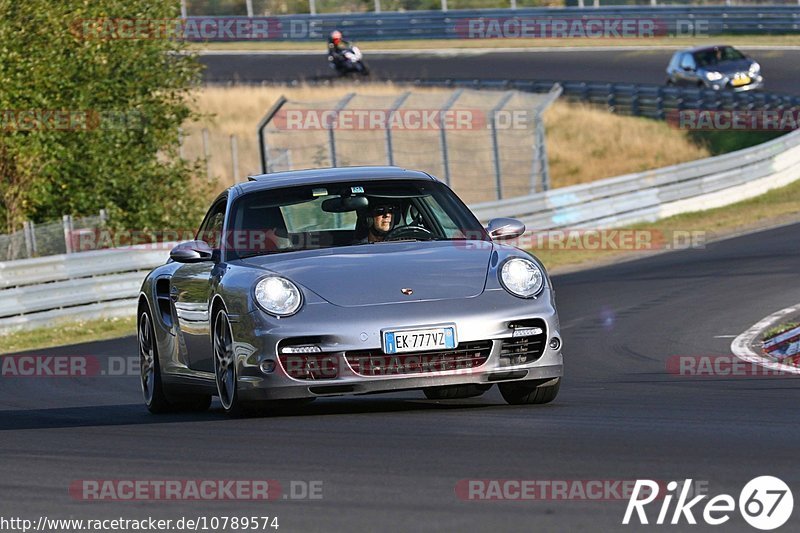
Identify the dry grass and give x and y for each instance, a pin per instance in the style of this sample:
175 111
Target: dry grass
584 143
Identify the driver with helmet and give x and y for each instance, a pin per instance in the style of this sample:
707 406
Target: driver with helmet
380 221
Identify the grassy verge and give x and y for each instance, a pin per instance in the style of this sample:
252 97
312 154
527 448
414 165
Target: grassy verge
777 330
779 206
438 44
67 333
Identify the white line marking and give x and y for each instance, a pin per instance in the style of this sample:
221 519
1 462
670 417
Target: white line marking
725 336
741 344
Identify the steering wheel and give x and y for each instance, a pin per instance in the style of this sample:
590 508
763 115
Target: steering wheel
409 232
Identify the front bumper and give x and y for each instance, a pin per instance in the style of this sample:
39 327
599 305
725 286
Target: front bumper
341 330
727 84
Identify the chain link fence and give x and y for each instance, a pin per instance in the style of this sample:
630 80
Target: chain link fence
52 238
487 145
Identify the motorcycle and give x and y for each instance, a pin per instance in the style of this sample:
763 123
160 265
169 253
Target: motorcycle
352 62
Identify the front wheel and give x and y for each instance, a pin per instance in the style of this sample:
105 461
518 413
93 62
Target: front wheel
520 393
225 365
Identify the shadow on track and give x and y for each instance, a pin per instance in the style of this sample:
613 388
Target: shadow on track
133 414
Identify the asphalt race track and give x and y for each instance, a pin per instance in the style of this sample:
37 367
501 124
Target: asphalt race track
621 66
391 463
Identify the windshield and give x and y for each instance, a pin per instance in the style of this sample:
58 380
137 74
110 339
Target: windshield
714 56
347 214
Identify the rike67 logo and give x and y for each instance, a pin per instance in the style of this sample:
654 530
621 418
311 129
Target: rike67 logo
765 503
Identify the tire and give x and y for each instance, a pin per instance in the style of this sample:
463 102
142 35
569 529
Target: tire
524 393
455 392
150 368
225 373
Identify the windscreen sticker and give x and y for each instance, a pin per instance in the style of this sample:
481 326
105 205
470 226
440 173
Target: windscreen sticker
319 192
356 190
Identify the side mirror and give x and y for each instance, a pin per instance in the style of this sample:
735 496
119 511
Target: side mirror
501 229
191 252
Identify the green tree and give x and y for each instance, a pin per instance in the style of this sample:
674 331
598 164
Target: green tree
89 120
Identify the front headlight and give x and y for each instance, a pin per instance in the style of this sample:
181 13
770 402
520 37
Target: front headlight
521 277
713 76
755 68
278 296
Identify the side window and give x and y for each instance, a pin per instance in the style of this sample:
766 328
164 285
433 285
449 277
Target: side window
211 228
687 62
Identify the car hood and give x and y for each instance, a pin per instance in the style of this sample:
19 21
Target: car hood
730 67
373 274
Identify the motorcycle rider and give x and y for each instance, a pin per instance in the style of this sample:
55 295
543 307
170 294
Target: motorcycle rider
337 47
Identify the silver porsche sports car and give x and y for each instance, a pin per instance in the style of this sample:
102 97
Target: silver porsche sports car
338 281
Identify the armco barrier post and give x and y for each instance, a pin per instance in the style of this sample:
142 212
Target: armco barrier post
395 106
498 179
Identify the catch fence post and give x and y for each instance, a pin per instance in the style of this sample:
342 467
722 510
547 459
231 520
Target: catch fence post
235 158
207 153
331 126
443 133
66 221
498 179
395 106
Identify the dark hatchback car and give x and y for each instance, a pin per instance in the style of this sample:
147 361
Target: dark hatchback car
714 67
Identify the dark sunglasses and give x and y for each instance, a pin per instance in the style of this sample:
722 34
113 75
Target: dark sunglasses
382 210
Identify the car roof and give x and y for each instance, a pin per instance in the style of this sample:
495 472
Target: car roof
705 47
328 175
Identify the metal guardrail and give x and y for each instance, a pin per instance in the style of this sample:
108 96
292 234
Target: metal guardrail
647 100
668 20
44 291
649 196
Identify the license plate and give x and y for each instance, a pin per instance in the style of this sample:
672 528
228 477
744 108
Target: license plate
738 82
419 340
